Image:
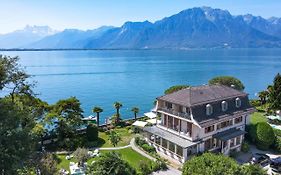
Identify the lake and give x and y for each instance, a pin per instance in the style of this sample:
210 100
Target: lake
137 77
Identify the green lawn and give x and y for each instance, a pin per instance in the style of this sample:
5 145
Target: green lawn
257 117
124 134
132 157
63 163
128 154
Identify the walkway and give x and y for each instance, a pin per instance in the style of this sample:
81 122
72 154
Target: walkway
115 148
170 171
135 147
101 148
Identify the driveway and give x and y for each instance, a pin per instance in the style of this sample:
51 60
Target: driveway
170 171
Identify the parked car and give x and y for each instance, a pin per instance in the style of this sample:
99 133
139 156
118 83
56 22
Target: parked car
259 158
275 165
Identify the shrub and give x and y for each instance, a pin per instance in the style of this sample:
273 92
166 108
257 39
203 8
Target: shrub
135 130
227 81
92 132
159 164
277 144
139 141
264 135
148 148
255 102
277 132
209 163
245 147
251 133
145 168
175 88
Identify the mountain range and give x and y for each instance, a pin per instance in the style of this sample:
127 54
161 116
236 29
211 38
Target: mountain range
202 27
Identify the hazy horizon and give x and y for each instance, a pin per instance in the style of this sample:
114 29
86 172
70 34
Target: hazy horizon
93 14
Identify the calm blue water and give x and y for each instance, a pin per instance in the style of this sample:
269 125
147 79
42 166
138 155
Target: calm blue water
135 78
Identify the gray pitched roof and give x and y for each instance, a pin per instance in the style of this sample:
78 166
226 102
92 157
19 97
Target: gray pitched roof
229 134
201 94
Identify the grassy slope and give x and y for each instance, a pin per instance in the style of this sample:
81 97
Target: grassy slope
124 134
258 117
128 154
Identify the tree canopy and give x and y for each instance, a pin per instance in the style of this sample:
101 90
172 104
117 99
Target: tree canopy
274 96
264 135
209 163
110 163
175 88
66 115
114 138
227 81
20 110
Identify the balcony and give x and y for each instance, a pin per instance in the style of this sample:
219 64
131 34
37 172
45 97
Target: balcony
176 113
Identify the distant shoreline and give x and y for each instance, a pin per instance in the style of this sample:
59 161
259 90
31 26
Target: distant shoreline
63 49
128 49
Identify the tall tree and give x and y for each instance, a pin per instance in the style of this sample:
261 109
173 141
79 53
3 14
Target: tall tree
110 163
274 96
263 96
48 164
114 138
66 115
97 110
227 81
135 110
13 78
117 105
81 155
20 111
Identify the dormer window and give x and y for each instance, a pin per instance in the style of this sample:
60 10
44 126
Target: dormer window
238 102
209 109
224 106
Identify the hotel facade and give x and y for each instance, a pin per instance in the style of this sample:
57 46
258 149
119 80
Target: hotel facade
198 119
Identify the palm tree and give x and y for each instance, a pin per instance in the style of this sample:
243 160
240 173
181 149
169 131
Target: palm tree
263 96
117 105
135 110
97 110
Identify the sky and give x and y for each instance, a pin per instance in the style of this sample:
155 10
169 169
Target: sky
90 14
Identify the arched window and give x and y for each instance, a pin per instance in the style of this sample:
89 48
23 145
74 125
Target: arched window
238 102
209 109
224 105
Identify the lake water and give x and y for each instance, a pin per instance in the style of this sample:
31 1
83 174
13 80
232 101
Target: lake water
136 77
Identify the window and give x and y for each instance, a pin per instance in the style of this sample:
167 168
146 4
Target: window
180 109
172 147
224 124
187 110
232 142
209 144
224 105
157 140
164 143
165 122
169 105
238 102
179 151
238 120
238 140
209 129
209 109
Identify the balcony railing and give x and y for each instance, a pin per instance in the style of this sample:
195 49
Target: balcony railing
176 113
